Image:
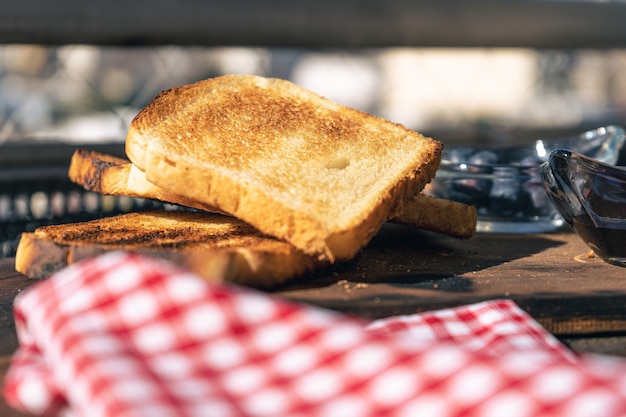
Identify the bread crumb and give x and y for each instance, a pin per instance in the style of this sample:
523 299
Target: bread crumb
350 287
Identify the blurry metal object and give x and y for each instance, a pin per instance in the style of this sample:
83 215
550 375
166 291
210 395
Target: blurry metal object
299 23
35 191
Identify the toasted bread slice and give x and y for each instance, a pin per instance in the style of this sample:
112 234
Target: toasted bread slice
440 216
295 165
219 248
116 176
106 174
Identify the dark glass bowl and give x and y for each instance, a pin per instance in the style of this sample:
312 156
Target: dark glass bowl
591 197
505 185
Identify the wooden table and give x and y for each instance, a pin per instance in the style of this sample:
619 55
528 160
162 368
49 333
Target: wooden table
580 299
551 276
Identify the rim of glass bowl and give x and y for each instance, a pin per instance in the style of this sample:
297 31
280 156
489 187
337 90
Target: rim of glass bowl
609 150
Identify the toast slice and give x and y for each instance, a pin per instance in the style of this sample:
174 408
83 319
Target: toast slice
292 163
116 176
106 174
439 215
217 247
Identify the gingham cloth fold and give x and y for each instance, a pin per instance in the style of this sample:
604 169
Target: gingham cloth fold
120 335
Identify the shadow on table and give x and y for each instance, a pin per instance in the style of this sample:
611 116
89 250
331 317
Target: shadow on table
403 256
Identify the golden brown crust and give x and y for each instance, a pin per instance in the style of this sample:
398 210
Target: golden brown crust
37 258
439 215
217 247
232 109
102 174
295 165
111 175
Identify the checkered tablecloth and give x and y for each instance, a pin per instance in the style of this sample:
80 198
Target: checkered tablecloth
120 335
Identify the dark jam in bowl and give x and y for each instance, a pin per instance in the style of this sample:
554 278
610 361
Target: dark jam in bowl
607 243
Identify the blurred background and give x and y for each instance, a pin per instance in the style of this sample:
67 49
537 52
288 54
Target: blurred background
482 70
82 93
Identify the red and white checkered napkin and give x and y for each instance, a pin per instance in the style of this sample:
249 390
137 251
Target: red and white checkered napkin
121 335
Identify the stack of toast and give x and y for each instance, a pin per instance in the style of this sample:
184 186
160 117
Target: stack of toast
279 182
